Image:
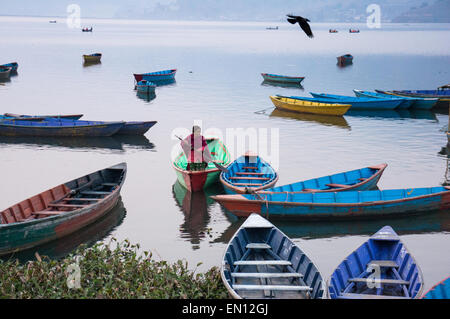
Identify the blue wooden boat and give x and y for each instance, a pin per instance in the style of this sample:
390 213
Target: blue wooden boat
439 291
9 116
406 103
345 59
359 179
155 77
135 128
381 268
145 86
419 102
261 262
443 94
348 204
282 78
248 173
13 65
358 102
52 127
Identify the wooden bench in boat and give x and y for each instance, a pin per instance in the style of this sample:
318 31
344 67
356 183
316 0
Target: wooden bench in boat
310 189
68 205
252 178
266 275
364 296
272 287
257 246
380 281
47 212
383 263
109 184
249 173
247 184
262 262
81 199
250 167
337 185
95 193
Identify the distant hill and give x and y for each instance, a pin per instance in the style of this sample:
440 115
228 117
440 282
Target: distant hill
438 12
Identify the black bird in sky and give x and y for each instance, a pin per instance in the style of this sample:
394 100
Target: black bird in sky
302 22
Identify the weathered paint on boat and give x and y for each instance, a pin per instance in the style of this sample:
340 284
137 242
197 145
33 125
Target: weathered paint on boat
419 102
381 268
248 173
43 218
282 78
329 205
136 128
439 291
261 262
357 102
197 180
54 127
311 107
406 103
92 58
158 76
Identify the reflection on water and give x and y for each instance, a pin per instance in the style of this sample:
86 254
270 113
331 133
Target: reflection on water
283 85
328 120
421 223
195 207
88 64
88 236
115 142
146 96
394 114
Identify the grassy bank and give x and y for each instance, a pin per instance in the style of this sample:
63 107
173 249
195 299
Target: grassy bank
116 270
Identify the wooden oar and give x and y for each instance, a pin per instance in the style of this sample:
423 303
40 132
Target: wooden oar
207 158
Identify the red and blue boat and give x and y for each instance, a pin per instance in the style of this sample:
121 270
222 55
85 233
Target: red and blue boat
157 77
339 205
61 210
13 65
381 268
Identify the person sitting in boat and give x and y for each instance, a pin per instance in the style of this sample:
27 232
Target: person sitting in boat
196 150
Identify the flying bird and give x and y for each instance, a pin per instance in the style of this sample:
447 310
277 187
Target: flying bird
302 22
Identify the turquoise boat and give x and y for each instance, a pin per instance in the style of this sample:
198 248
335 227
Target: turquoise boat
439 291
13 65
248 173
381 268
358 102
157 77
282 78
406 103
422 103
330 205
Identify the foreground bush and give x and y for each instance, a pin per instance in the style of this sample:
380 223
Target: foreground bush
103 271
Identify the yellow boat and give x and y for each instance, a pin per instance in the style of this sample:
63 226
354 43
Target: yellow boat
301 106
92 58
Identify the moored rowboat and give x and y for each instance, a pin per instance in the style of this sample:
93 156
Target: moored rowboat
92 58
261 262
419 102
358 102
23 116
201 179
381 268
345 59
282 78
439 291
330 205
312 107
159 76
405 104
13 65
248 173
61 210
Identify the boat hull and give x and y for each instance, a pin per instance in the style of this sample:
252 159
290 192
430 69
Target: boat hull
299 106
64 117
439 291
92 58
135 128
406 103
282 78
367 104
419 102
23 235
155 77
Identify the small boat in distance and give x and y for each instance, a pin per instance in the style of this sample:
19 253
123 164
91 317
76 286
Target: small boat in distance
248 173
5 72
13 65
312 107
261 262
92 58
381 268
145 86
333 31
345 59
52 21
441 290
353 30
86 30
61 210
272 28
158 76
282 78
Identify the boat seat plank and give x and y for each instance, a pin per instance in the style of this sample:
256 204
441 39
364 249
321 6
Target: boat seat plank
337 185
109 184
310 189
258 246
364 296
262 263
67 205
250 167
247 184
95 193
384 263
266 275
249 173
381 281
48 212
252 178
81 199
272 287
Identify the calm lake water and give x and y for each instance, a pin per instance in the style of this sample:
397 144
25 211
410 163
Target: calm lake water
218 84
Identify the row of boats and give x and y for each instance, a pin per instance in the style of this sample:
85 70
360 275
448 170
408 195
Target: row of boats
67 126
261 262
